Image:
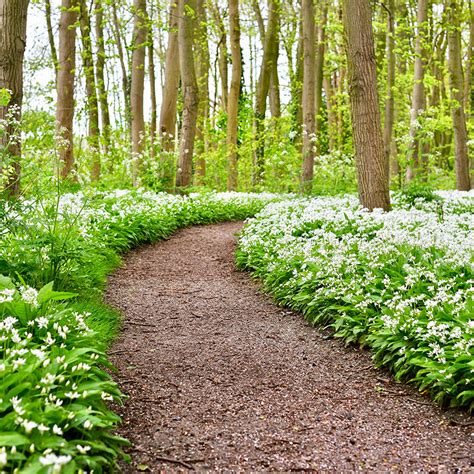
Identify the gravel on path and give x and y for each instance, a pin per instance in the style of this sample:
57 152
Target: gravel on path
220 378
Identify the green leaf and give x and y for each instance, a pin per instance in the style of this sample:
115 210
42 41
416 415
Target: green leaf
6 283
47 294
13 439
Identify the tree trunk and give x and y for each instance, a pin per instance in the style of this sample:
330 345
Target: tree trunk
140 32
389 104
152 78
457 108
49 27
202 65
65 84
121 54
309 89
100 68
263 85
12 48
190 92
222 55
468 89
170 90
418 102
234 95
91 90
319 67
372 168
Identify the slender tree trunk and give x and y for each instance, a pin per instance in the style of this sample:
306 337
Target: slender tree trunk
152 77
190 92
457 109
468 89
170 90
274 91
12 48
332 118
263 85
234 95
121 54
372 168
309 89
91 90
100 68
319 66
49 27
140 35
202 64
222 55
418 102
65 84
389 104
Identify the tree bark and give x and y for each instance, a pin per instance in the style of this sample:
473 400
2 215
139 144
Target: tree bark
100 68
13 15
121 54
91 90
274 90
202 63
418 102
49 27
468 89
390 101
263 85
309 98
65 84
319 66
171 88
190 92
152 78
234 95
372 168
457 109
222 54
140 34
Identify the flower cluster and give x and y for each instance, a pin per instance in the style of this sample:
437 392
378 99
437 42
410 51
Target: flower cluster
400 282
53 388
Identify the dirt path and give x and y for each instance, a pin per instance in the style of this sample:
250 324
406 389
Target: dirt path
221 378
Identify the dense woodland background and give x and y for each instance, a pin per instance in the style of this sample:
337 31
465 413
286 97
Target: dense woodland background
244 94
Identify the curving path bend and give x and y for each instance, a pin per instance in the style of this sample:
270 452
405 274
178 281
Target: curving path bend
220 378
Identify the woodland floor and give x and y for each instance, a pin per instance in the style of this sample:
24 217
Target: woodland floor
220 378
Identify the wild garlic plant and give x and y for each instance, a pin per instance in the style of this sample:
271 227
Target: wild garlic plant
399 282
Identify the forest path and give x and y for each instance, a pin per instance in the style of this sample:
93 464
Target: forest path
221 378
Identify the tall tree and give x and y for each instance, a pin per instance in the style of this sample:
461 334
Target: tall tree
202 63
186 13
309 96
49 28
12 48
390 101
152 78
100 69
140 32
91 89
234 95
274 88
372 168
457 91
418 101
171 85
319 65
263 85
117 31
65 84
222 54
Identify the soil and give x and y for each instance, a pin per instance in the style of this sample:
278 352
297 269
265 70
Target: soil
220 378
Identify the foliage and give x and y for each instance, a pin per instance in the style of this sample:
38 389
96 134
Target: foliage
398 282
54 389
